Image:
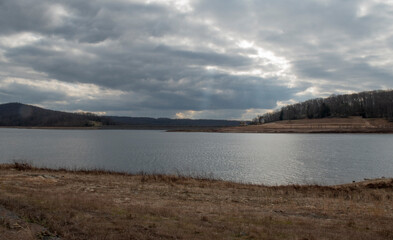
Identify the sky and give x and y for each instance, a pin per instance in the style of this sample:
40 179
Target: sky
216 59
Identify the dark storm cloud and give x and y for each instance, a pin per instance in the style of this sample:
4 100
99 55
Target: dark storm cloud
23 93
83 21
117 69
212 57
335 69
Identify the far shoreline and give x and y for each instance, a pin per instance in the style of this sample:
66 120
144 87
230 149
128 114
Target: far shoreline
289 131
121 127
307 126
317 126
216 130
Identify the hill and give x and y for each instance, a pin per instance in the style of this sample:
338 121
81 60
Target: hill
22 115
167 122
17 114
371 104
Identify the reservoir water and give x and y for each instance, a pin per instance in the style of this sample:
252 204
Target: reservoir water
271 159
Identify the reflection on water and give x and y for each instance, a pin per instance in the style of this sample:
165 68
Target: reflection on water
271 159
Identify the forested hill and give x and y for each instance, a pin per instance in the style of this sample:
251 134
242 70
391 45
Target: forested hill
17 114
371 104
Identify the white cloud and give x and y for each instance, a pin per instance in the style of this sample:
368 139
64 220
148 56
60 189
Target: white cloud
58 14
19 39
74 90
281 104
96 113
180 5
186 114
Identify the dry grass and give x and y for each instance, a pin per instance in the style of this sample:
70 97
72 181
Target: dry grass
101 205
322 125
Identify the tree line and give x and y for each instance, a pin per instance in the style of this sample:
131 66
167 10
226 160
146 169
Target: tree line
370 104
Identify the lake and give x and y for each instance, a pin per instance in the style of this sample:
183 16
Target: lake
271 159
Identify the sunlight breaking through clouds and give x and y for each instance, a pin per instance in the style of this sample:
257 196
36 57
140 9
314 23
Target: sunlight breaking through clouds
191 58
68 90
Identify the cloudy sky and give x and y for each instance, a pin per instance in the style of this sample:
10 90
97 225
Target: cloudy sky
191 59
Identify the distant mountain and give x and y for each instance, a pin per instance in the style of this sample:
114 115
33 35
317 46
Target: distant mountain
17 114
144 121
370 104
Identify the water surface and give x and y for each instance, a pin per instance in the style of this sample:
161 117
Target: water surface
271 159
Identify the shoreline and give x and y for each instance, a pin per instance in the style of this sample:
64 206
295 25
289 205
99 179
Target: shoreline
27 166
119 127
312 126
321 125
100 204
223 129
293 130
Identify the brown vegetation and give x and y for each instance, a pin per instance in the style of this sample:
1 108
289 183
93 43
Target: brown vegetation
103 205
320 125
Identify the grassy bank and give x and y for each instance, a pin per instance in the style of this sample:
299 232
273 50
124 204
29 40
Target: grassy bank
321 125
103 205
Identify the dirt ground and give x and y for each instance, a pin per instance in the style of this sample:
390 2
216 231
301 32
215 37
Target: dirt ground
48 204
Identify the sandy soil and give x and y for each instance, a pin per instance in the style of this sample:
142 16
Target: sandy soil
47 204
324 125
